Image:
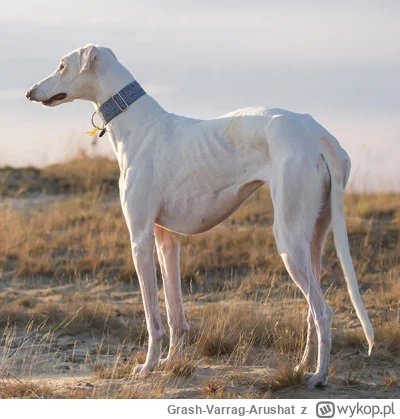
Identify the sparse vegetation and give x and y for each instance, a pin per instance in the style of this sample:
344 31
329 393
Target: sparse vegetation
391 382
122 368
71 305
25 390
181 367
284 377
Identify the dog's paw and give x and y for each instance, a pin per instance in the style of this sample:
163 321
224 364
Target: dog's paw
318 380
142 369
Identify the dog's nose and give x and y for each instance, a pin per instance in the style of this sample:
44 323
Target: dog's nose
28 94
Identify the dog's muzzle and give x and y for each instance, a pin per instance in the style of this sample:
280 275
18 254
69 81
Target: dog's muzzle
32 95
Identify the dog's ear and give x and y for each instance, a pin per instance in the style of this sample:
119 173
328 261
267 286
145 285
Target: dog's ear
88 56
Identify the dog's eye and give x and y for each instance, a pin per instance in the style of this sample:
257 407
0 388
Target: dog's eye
62 66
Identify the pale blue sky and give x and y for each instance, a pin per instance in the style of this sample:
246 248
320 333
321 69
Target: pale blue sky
339 61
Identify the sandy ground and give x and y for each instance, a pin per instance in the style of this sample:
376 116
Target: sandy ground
67 362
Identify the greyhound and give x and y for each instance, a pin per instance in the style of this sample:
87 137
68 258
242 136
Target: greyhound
181 175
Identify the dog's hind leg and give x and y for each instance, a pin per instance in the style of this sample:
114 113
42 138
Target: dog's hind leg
317 244
168 244
297 191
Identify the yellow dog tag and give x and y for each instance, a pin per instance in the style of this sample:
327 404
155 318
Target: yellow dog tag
91 133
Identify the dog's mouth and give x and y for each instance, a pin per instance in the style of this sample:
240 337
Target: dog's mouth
55 98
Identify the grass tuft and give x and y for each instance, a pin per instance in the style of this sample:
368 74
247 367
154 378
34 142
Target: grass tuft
25 390
284 377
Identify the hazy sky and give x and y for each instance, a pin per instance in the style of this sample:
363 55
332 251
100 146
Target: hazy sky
338 61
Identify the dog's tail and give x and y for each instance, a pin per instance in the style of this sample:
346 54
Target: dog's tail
338 180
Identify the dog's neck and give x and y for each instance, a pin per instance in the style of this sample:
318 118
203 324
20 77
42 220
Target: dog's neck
111 78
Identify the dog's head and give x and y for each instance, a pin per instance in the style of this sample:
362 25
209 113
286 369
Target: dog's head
74 78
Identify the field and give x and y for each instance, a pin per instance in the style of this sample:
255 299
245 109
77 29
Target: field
72 321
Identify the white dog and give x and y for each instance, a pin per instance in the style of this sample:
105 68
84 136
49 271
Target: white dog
184 176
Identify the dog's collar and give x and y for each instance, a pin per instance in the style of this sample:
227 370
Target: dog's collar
120 101
117 104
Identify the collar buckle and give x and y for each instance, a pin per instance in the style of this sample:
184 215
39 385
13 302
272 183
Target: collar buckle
122 109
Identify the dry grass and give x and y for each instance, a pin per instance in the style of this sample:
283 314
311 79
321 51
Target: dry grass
234 329
75 318
212 388
124 390
33 390
78 175
284 377
391 382
122 368
181 367
25 390
48 240
388 337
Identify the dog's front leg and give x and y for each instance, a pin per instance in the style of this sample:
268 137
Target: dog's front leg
140 206
143 257
168 255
